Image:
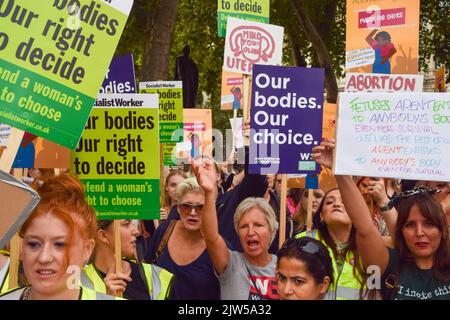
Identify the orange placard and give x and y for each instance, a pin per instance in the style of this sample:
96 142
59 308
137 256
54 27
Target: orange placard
327 181
329 120
382 36
197 134
439 81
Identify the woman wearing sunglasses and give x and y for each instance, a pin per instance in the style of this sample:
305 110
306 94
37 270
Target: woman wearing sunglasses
304 270
178 246
247 275
419 265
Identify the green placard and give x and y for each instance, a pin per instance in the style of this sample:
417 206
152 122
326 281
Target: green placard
252 10
54 56
118 157
170 95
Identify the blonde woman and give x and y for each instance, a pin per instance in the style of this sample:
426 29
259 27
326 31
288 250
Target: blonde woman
242 275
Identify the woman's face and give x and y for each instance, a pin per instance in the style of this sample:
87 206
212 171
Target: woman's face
317 199
421 236
45 249
333 210
190 208
128 234
254 232
171 186
295 282
382 41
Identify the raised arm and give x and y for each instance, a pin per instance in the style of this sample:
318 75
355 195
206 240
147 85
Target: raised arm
371 246
369 38
376 188
215 244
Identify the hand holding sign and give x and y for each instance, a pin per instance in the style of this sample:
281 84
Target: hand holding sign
323 154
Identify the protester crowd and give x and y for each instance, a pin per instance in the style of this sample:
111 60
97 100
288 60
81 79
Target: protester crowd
371 238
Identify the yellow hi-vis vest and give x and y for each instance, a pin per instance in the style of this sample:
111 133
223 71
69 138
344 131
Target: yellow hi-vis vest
4 283
159 280
86 294
345 285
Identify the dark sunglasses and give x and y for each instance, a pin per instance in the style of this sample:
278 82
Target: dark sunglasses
302 245
186 208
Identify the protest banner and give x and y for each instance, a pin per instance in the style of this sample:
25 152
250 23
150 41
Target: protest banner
394 135
36 152
439 80
382 36
327 181
251 10
248 43
120 77
118 157
14 214
170 95
286 119
329 120
232 91
197 135
54 55
236 127
374 82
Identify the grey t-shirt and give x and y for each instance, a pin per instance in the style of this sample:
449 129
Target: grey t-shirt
235 283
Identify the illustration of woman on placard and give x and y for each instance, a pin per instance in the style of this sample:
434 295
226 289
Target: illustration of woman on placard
237 96
384 50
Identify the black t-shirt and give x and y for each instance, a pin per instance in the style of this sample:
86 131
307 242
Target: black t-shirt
413 283
136 289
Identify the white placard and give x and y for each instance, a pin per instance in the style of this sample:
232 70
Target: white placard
394 135
248 43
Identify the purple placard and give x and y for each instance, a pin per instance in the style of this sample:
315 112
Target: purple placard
120 77
286 119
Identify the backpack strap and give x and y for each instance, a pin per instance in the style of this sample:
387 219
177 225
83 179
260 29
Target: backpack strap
164 240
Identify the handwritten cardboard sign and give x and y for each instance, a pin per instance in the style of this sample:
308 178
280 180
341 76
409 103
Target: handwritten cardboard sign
394 135
248 43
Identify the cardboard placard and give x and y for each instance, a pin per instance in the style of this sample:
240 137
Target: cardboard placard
118 157
399 22
286 119
248 43
18 202
394 135
120 77
251 10
53 62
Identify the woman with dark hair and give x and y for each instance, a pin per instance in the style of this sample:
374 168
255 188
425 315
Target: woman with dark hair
304 270
419 266
336 232
137 281
384 50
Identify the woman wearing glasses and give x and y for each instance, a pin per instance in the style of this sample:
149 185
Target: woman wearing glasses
419 266
178 246
247 275
304 270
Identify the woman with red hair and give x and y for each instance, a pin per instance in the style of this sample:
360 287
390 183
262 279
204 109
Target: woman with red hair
58 239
